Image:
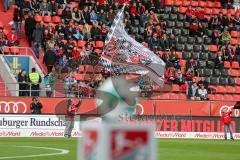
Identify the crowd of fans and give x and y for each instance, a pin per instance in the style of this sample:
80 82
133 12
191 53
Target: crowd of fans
70 39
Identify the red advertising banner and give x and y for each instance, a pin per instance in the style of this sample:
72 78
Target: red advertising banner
145 107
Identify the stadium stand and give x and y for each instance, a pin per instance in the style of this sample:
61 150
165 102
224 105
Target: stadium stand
198 40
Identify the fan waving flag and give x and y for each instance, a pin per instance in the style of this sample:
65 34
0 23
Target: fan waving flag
123 54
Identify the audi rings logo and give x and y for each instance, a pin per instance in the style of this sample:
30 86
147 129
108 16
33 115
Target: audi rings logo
13 107
138 108
235 112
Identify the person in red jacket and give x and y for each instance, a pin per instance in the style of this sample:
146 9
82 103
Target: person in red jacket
171 75
12 38
226 121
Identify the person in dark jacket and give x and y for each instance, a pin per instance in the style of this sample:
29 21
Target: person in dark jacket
37 39
23 86
49 59
36 106
17 20
29 28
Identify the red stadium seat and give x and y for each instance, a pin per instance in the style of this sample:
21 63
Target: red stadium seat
175 88
235 64
231 11
168 2
81 43
207 11
230 89
177 3
56 19
234 41
156 88
215 11
234 72
185 3
236 97
47 19
173 96
238 81
81 68
99 44
6 49
179 55
194 3
182 96
220 89
227 64
182 10
183 63
14 50
228 97
217 4
89 68
164 96
237 89
201 4
209 4
213 48
234 34
80 27
224 11
38 18
218 97
211 96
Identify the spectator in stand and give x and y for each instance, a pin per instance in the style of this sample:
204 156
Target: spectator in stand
77 15
34 79
70 81
214 23
219 63
227 53
199 13
17 20
25 6
49 59
171 75
61 66
34 6
44 8
53 7
23 83
36 106
216 37
236 22
195 29
5 5
144 18
96 32
191 63
29 28
226 37
180 78
174 59
93 16
12 38
110 16
86 31
37 39
190 14
102 17
202 92
192 90
49 81
237 53
66 15
226 3
3 40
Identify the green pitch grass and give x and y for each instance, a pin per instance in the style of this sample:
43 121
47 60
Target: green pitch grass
167 149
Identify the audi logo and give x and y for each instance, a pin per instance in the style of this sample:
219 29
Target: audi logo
235 111
15 107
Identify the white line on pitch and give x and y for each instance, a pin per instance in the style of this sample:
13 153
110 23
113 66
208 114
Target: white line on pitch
60 152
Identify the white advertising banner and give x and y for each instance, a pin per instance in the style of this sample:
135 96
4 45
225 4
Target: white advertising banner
35 126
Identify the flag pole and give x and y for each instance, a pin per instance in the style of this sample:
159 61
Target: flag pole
117 21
